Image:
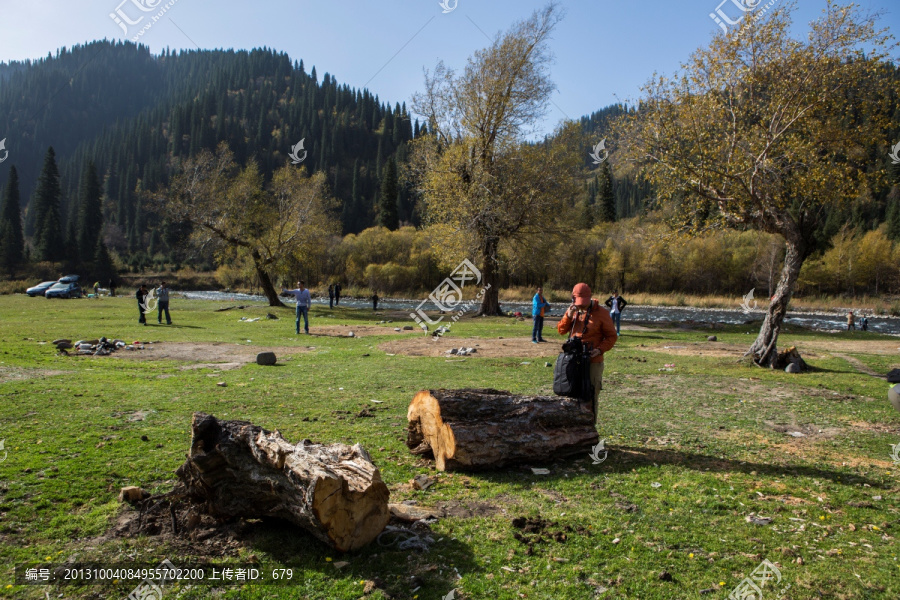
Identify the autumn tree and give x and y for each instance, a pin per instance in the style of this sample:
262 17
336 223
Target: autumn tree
761 130
232 207
476 174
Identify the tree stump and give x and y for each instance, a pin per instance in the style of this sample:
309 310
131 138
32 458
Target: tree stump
237 469
482 429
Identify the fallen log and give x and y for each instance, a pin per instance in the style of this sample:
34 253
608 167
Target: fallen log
237 469
480 429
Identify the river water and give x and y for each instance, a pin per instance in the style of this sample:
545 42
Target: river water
819 321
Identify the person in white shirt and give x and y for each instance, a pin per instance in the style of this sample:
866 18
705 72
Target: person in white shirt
303 302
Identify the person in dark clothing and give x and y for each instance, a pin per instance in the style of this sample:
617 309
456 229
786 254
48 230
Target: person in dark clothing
141 296
864 323
616 304
375 302
112 287
337 293
331 296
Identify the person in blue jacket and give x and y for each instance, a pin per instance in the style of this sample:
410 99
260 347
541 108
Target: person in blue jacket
538 307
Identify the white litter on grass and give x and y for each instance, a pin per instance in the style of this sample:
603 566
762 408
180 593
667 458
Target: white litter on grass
656 484
540 471
796 434
377 401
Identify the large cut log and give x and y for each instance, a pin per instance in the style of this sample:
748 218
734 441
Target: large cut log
237 469
479 429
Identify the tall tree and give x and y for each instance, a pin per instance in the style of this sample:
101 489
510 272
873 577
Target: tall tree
754 133
90 212
387 209
478 121
230 206
104 270
48 238
606 195
12 241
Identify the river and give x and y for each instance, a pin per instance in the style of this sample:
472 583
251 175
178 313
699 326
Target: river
819 321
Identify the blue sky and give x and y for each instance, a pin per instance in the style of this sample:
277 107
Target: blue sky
604 49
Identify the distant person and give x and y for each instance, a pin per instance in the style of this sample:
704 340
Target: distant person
112 287
538 307
96 289
587 319
851 321
162 295
864 323
375 301
303 302
337 294
141 296
616 304
331 296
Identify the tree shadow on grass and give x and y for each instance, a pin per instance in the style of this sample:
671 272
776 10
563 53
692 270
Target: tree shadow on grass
392 569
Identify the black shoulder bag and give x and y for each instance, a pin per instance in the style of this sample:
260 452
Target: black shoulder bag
572 374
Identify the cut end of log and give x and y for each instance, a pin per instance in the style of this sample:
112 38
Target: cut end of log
478 429
237 469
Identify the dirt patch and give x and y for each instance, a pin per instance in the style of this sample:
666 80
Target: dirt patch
207 354
486 347
8 374
851 346
807 431
859 365
715 349
361 331
535 530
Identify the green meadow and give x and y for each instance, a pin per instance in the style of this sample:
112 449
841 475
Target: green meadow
713 465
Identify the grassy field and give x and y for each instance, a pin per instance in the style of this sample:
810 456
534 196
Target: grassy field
696 449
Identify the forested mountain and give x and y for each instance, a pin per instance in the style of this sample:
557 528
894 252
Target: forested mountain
131 113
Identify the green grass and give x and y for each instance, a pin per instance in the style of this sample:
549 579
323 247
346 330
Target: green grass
710 433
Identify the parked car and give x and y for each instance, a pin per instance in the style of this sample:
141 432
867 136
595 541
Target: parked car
40 289
64 289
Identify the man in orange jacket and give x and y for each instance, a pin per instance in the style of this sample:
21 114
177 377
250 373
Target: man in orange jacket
600 332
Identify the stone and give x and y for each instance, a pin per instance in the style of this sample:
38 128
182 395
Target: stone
266 359
712 338
351 334
222 384
792 368
408 328
894 396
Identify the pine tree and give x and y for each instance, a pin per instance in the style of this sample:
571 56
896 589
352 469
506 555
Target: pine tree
90 212
387 209
893 214
12 241
48 234
606 196
104 270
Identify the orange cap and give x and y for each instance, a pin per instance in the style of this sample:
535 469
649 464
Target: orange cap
582 293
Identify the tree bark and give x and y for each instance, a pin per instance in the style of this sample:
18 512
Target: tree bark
265 282
237 469
480 429
490 302
764 350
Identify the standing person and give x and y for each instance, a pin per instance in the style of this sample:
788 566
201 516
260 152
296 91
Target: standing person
864 323
851 321
141 296
375 301
599 331
162 294
96 289
303 302
112 287
538 306
616 305
331 295
337 293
